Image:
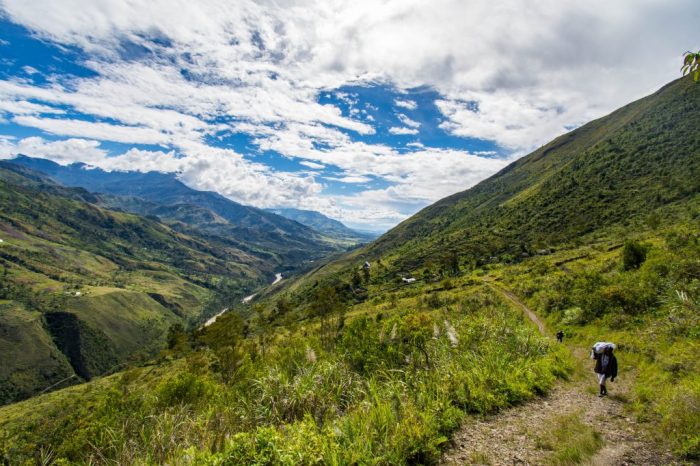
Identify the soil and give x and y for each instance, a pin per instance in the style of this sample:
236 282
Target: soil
512 437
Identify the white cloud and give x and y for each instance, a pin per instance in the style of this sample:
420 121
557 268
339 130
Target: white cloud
407 104
102 131
407 121
398 130
203 167
350 179
65 152
312 165
508 72
23 107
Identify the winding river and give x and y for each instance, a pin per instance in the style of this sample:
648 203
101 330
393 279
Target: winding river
246 300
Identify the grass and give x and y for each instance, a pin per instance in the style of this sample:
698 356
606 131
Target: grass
650 312
569 441
479 458
388 390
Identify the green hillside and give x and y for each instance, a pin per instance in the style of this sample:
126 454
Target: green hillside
84 288
279 244
615 169
597 233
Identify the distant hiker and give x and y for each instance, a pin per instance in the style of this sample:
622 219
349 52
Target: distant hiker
560 336
605 364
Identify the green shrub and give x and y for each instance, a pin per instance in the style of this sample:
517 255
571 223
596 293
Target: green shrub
185 388
361 345
633 254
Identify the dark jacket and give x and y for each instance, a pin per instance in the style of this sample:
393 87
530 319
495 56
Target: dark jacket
610 371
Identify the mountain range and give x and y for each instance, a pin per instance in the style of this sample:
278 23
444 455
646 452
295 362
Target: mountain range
282 239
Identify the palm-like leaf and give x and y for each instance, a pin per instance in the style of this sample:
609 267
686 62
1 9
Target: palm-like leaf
691 64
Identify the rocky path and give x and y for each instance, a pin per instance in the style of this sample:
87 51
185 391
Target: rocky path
515 436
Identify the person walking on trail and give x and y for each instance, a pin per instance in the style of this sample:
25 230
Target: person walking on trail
560 336
605 367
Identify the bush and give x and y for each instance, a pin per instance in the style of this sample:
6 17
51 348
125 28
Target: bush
633 254
186 388
361 347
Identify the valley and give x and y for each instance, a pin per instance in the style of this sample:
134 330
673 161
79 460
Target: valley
87 290
433 343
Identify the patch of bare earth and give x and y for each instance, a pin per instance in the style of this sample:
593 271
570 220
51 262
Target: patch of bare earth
513 437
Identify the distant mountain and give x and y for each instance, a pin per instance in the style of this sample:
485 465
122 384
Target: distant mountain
284 242
323 224
84 288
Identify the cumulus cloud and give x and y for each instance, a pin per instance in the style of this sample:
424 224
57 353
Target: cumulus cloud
407 104
407 121
64 152
398 130
350 179
180 73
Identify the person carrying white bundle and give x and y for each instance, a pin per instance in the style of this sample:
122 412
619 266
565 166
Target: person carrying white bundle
605 364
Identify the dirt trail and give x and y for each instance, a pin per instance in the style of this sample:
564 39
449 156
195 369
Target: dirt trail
513 437
514 299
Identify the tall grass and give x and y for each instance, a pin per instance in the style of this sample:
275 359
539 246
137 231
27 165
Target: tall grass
283 407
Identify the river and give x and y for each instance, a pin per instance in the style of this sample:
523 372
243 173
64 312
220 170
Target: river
246 300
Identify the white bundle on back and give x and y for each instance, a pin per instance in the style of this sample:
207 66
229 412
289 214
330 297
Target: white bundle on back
600 346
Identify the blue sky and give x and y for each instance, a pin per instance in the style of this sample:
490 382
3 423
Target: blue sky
365 111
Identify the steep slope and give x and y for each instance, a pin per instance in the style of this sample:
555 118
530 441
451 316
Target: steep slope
321 223
637 159
284 241
627 167
84 288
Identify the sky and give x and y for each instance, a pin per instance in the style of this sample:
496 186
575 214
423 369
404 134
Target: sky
366 111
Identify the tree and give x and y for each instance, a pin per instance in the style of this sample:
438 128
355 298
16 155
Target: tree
177 338
691 65
356 280
633 255
260 321
283 306
454 263
326 305
417 330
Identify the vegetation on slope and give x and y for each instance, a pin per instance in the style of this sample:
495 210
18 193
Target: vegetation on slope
651 311
598 231
608 172
276 241
84 288
388 388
